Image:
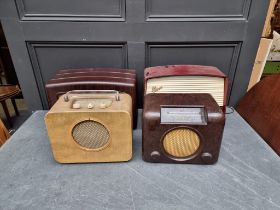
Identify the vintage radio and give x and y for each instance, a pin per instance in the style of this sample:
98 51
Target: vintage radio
123 80
113 72
91 126
183 116
86 70
181 128
187 79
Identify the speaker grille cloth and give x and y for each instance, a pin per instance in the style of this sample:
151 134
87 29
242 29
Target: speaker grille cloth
90 134
181 142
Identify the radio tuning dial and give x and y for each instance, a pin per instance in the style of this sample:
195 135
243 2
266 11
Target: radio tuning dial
76 106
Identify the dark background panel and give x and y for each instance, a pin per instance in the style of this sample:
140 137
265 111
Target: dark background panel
222 55
48 58
223 33
110 10
183 10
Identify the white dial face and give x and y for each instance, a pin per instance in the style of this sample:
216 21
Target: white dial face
183 115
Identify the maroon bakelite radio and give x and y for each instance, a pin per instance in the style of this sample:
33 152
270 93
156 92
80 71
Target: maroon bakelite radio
183 118
187 79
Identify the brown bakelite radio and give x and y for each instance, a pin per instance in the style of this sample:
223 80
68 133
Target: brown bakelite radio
183 120
91 126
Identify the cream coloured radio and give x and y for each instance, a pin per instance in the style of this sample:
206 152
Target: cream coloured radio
187 79
91 126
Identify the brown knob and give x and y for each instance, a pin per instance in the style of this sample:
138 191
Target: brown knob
207 157
155 154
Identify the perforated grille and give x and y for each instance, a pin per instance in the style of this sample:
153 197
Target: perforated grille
90 134
181 142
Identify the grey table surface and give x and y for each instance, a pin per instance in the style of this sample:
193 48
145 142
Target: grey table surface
247 176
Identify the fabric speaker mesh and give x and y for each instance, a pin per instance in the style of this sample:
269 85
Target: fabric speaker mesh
181 142
90 134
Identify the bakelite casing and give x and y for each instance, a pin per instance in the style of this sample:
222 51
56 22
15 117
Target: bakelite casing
210 133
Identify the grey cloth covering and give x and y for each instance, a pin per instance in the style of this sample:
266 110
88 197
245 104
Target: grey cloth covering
247 176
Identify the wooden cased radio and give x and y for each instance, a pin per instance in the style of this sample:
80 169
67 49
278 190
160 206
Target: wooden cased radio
187 79
123 80
181 128
91 126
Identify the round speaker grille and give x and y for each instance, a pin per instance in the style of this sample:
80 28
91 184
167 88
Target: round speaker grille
181 142
90 134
